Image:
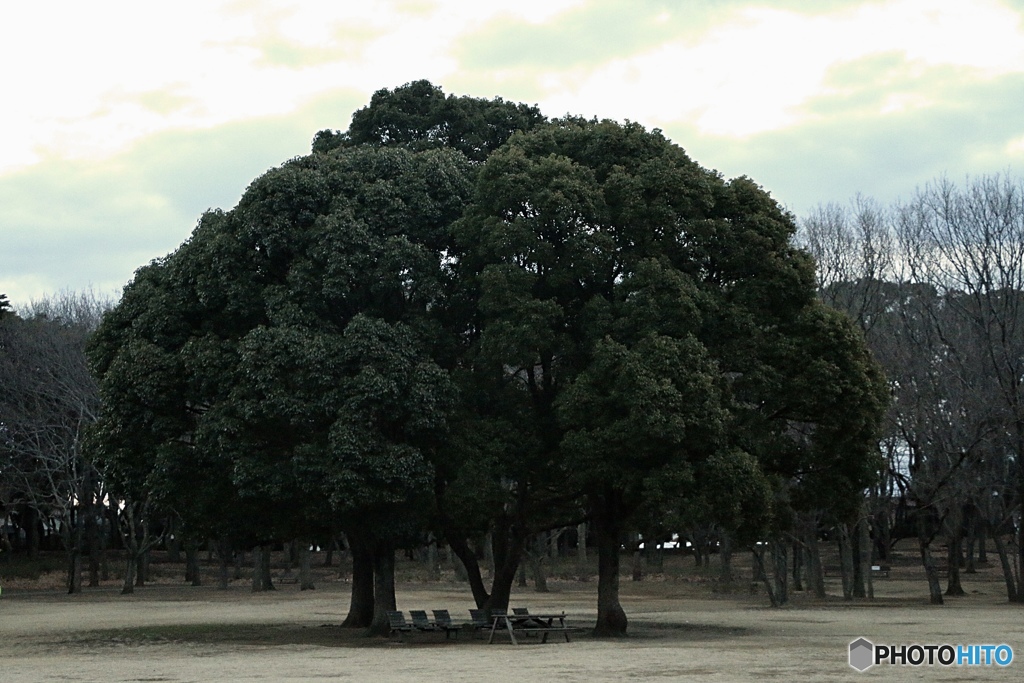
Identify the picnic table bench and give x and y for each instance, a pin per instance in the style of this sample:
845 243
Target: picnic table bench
528 624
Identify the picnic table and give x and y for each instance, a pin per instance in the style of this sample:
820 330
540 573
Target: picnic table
527 624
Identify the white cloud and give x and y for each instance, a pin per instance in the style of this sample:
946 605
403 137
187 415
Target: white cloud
1015 147
755 71
78 75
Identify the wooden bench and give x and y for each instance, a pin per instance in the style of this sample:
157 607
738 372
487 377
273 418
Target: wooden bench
443 620
478 621
398 624
421 622
529 624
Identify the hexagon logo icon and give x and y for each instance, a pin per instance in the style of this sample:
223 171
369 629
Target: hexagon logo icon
862 654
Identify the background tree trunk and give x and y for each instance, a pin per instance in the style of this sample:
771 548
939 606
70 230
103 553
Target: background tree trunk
224 559
1010 577
611 618
798 565
128 587
817 571
846 560
194 571
305 572
864 547
954 542
923 540
725 560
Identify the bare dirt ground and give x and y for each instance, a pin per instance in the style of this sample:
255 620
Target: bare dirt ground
680 629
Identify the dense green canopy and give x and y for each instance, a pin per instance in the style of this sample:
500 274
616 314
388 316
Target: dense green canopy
530 322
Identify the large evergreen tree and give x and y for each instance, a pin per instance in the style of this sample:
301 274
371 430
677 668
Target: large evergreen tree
649 316
535 322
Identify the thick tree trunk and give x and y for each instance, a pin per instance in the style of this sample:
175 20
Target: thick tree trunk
360 611
458 567
540 576
466 555
611 618
506 566
383 587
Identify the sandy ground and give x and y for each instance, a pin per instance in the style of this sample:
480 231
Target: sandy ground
679 630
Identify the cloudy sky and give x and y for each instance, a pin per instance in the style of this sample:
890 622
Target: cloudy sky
122 121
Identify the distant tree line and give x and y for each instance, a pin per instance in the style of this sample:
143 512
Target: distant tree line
936 284
48 399
461 323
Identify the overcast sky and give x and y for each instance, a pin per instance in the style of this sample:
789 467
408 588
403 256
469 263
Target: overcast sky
122 121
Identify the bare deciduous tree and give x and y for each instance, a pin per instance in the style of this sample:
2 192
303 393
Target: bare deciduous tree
47 399
937 284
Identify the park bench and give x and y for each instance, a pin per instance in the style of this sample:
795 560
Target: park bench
398 624
443 620
421 622
478 621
